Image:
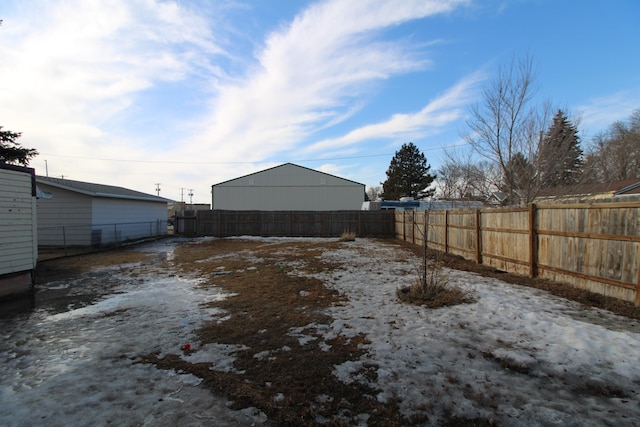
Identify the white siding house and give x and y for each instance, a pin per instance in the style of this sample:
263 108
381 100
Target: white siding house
288 187
18 236
81 213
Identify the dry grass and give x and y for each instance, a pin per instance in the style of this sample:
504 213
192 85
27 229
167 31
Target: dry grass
291 381
348 236
432 287
435 296
270 300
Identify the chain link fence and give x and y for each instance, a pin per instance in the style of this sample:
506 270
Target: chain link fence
66 240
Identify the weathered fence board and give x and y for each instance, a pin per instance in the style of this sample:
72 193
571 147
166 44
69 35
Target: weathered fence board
222 223
591 246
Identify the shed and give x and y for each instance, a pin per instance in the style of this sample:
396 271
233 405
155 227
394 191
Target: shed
19 239
83 214
288 187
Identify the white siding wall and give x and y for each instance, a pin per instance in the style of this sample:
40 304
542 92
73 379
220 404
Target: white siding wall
134 219
66 209
288 187
18 239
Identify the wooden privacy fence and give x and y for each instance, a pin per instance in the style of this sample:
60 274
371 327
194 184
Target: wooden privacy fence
593 246
222 223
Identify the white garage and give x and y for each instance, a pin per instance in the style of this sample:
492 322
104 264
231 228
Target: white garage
78 213
288 187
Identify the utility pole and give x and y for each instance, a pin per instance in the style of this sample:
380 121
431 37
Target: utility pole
158 189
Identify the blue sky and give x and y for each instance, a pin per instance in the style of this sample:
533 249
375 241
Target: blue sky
190 93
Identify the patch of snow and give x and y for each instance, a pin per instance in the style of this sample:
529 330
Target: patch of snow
517 355
58 369
516 349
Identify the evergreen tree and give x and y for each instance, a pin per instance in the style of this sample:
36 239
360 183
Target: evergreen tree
560 154
11 151
408 174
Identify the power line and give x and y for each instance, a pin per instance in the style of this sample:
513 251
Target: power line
243 163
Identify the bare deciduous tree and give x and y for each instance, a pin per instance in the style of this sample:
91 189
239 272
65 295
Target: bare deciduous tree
373 193
461 178
615 155
503 124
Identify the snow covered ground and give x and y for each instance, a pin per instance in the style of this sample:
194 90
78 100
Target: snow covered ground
518 356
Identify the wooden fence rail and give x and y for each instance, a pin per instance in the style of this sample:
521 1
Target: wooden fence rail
223 223
592 246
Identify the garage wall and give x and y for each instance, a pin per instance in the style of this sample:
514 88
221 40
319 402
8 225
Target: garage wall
135 219
288 187
65 209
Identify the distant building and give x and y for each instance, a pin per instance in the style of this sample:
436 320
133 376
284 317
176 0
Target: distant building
177 207
409 204
82 213
629 188
18 222
288 187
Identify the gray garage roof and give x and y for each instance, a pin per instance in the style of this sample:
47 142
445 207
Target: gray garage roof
99 190
285 165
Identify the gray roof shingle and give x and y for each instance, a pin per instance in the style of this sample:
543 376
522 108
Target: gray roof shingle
99 190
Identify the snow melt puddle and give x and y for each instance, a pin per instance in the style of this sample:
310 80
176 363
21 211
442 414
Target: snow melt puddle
57 369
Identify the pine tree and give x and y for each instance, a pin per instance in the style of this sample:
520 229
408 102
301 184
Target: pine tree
560 154
11 151
408 174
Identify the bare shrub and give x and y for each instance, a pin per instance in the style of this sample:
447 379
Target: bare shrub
432 287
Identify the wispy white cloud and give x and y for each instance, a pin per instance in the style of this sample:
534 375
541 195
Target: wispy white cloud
600 113
442 111
312 74
72 69
74 65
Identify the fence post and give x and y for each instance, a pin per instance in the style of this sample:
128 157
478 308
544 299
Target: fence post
532 241
404 229
413 227
446 231
637 301
478 238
